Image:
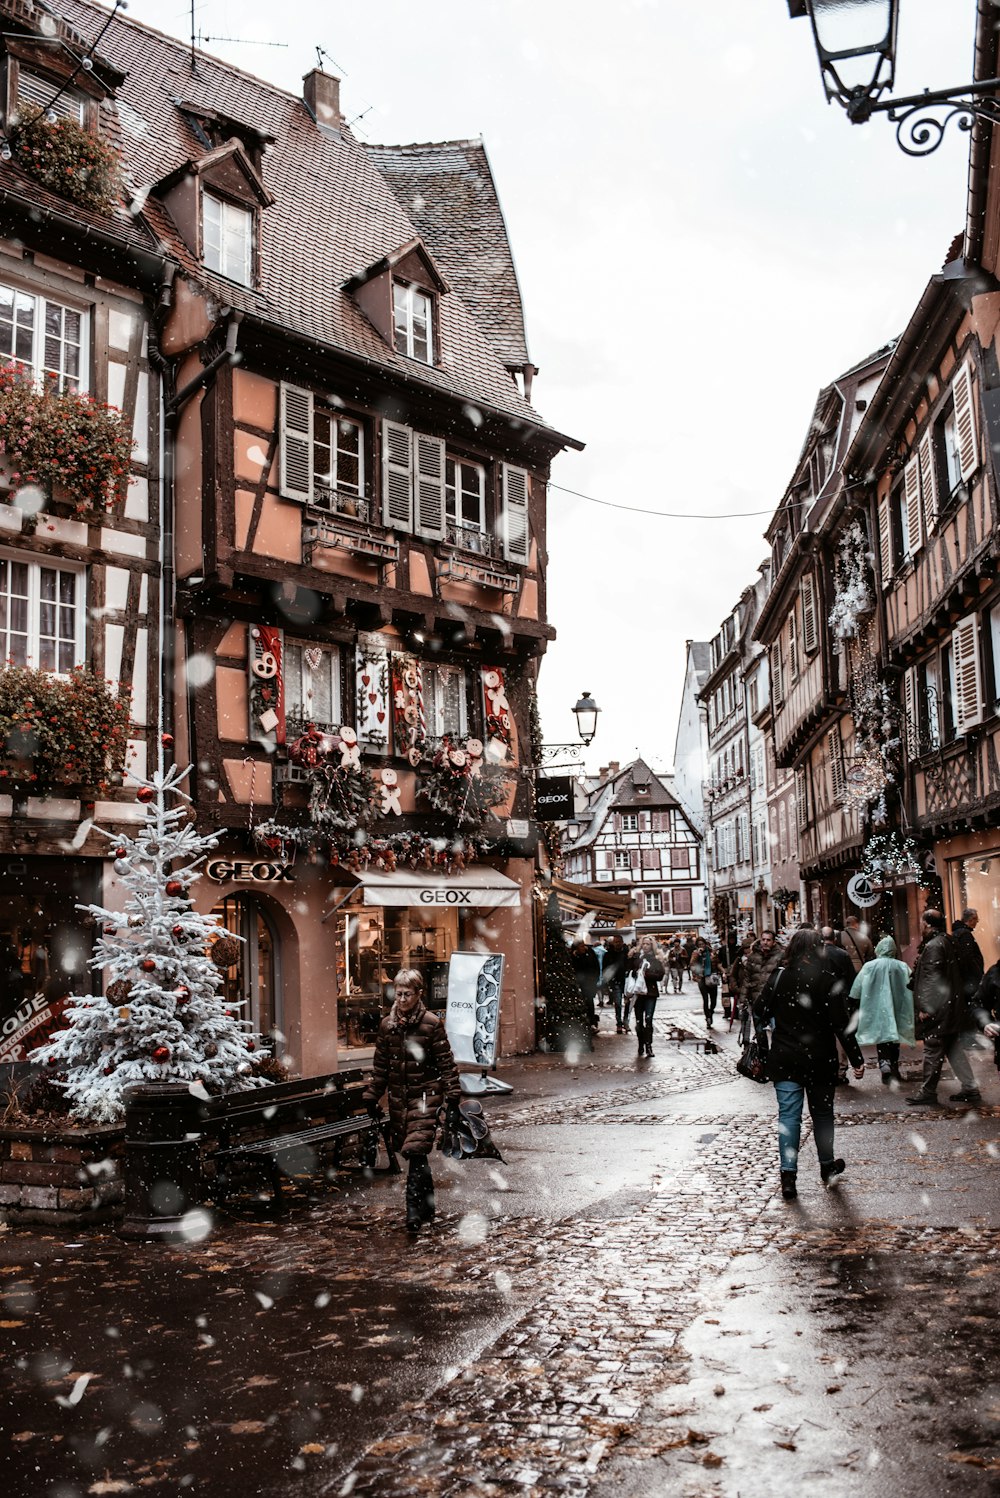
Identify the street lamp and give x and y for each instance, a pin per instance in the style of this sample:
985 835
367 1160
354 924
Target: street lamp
585 712
856 45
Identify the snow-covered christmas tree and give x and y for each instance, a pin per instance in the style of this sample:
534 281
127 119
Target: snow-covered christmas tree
163 1018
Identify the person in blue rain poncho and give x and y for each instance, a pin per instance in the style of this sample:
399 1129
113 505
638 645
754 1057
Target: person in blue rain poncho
884 1002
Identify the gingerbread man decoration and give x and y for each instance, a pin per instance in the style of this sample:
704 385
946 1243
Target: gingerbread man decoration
389 790
474 752
350 754
493 684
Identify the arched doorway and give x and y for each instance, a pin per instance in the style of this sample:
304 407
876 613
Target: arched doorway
255 980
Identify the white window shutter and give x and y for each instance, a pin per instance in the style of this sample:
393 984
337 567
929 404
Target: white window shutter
968 687
810 620
838 782
515 514
928 480
397 476
910 710
911 486
296 464
430 486
965 422
885 538
777 675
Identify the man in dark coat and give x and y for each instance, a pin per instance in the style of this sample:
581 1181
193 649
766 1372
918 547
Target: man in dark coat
761 961
968 956
843 971
943 1011
587 967
414 1061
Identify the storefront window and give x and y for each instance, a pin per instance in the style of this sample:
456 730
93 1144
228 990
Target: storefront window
253 982
375 943
975 882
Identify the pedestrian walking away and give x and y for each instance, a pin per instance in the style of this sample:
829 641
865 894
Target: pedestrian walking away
881 992
856 943
648 970
944 1011
615 959
414 1063
587 969
844 972
808 1018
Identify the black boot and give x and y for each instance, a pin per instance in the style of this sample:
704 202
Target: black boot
414 1199
788 1188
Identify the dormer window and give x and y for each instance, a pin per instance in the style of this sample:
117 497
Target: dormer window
227 239
36 92
412 316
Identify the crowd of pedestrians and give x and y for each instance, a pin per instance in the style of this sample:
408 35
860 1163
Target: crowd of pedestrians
811 999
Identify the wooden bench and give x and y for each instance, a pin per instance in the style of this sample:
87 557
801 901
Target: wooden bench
283 1129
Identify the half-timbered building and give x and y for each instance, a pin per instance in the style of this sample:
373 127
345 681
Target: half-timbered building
819 626
353 533
634 838
80 577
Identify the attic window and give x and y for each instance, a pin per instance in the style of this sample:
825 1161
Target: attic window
227 238
36 92
412 319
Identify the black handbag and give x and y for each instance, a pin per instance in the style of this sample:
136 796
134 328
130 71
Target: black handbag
754 1061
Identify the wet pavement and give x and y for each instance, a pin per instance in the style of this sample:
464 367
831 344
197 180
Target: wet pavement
625 1306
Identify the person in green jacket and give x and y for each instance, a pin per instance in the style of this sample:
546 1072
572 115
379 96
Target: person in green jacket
882 995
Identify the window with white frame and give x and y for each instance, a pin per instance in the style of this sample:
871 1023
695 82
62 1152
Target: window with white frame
621 860
446 701
465 502
338 461
654 902
227 239
50 95
311 675
630 821
412 320
42 615
44 339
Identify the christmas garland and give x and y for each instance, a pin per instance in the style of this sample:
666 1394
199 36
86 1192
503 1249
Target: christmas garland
888 856
458 785
341 797
853 599
415 850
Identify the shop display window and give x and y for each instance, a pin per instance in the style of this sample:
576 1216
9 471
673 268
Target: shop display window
975 882
251 986
375 943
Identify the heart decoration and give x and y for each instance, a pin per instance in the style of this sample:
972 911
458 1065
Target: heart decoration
373 698
380 716
313 657
366 681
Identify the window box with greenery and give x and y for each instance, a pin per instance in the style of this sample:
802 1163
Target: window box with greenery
68 159
77 450
58 732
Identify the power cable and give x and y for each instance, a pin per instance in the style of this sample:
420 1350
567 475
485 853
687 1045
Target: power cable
610 504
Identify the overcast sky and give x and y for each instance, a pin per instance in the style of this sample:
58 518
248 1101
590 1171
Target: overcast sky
702 244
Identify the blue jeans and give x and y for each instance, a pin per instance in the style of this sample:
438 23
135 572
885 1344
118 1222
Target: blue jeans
616 994
790 1099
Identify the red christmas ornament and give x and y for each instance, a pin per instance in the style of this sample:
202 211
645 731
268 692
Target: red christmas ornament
174 887
161 1054
251 1045
145 794
177 931
111 930
121 852
148 965
182 994
167 740
108 1070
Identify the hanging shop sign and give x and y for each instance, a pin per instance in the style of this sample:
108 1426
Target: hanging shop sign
554 800
237 871
860 892
472 1016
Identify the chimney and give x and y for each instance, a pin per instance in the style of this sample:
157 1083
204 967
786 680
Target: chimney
321 91
614 767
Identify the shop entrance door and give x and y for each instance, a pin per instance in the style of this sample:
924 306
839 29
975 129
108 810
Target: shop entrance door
255 980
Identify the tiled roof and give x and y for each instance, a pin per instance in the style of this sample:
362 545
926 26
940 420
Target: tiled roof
334 213
447 189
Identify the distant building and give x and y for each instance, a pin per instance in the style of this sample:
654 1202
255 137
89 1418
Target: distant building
635 837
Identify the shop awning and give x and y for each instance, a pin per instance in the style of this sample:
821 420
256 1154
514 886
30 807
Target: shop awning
579 900
482 887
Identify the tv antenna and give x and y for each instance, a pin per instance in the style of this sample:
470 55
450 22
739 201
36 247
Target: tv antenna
197 38
321 53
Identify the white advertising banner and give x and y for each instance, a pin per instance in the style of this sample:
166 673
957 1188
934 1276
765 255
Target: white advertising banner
472 1018
476 887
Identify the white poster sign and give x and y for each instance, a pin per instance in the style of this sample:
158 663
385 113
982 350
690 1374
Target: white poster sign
860 892
472 1018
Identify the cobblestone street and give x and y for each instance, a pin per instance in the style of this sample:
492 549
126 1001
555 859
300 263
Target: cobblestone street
625 1306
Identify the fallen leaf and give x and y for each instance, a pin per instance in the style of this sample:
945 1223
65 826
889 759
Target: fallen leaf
9 1325
247 1428
312 1448
259 1381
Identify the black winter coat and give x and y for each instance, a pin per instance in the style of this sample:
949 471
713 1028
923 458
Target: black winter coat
809 1016
968 959
414 1061
938 986
655 971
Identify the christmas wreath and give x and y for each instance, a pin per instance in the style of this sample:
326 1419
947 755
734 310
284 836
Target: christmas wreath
456 783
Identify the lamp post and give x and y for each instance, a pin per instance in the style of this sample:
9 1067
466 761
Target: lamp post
856 45
585 712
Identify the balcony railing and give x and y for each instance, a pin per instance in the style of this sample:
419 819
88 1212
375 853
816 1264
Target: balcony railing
343 531
466 538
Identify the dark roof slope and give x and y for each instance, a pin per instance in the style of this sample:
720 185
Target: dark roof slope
334 213
447 189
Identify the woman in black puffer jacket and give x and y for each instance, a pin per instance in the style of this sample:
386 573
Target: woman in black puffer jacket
414 1061
810 1014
